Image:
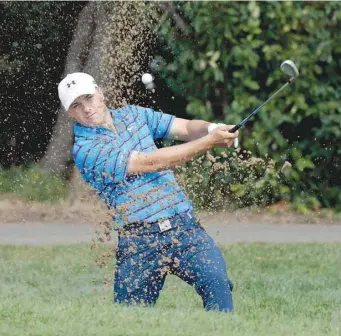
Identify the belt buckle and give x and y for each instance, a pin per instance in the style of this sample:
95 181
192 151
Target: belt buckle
165 225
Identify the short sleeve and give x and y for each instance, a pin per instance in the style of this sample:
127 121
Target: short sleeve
102 161
159 123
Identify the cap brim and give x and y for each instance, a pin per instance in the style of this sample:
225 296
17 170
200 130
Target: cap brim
77 93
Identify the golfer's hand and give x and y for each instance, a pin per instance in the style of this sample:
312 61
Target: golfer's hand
222 137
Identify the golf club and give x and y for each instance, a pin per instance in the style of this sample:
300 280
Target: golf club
290 69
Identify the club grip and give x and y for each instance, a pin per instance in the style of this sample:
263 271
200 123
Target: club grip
235 128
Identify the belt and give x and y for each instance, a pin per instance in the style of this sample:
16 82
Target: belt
184 220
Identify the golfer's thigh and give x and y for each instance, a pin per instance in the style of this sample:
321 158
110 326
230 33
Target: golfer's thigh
137 288
203 261
138 277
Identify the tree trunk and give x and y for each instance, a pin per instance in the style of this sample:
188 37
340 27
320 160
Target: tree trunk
109 42
58 157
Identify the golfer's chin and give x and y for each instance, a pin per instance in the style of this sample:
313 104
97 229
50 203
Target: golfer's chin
93 122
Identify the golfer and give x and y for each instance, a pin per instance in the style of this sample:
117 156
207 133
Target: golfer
115 152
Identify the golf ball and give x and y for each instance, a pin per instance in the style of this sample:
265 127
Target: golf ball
147 78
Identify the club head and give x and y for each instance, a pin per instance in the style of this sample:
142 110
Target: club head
289 68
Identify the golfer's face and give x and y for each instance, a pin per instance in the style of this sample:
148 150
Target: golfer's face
88 110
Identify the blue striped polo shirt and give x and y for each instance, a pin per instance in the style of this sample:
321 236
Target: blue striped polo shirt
102 155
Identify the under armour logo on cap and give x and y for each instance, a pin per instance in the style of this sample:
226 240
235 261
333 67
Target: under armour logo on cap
75 85
69 84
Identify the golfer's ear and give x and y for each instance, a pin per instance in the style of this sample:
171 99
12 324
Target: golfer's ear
101 93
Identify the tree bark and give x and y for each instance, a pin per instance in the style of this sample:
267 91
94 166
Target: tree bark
109 43
58 157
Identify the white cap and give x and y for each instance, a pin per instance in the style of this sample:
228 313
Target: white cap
75 85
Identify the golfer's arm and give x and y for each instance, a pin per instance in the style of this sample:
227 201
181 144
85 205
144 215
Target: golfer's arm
188 130
168 157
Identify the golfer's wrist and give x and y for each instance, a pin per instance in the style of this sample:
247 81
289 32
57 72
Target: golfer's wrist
210 141
211 127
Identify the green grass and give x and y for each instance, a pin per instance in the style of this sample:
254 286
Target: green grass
292 289
32 183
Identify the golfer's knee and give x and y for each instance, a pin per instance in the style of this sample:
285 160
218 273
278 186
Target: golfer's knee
218 281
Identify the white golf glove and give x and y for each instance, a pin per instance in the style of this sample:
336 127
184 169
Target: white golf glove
213 126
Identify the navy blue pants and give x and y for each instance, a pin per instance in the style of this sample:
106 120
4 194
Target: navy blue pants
145 256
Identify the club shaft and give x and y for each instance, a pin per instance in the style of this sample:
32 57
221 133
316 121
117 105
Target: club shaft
236 128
